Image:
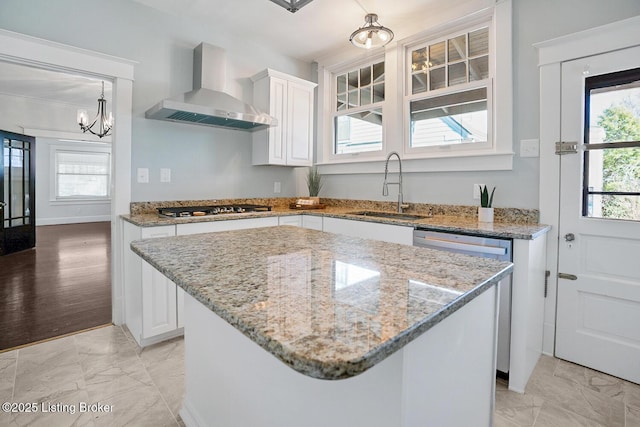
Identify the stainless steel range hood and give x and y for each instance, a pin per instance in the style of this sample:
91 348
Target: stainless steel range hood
207 104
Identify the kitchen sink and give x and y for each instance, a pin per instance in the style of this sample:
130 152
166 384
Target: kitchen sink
392 215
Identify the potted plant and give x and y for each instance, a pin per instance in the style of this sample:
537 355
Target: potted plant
485 211
314 183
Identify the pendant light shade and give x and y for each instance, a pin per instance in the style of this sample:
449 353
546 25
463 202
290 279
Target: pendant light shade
371 34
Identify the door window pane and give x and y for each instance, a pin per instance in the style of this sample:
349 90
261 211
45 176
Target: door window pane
612 156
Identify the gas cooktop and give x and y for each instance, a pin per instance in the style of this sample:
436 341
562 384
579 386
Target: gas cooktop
187 211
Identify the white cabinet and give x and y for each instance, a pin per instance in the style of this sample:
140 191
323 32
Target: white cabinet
152 311
295 220
291 101
369 230
159 307
312 222
215 226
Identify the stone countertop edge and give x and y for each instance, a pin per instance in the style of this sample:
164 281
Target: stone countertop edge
435 223
309 366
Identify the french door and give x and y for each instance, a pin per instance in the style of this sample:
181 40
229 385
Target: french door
17 193
598 308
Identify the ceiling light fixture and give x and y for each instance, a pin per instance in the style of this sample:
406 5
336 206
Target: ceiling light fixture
105 123
292 5
371 34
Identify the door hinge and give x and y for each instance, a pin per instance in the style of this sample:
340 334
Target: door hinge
566 147
546 282
567 276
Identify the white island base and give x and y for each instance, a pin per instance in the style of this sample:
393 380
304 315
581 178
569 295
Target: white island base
445 377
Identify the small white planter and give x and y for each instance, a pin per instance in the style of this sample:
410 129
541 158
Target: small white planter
485 214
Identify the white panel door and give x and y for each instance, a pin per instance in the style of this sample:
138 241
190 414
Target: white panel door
598 311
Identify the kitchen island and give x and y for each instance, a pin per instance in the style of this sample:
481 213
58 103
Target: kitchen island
356 332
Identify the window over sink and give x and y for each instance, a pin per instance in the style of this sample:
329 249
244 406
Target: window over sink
448 99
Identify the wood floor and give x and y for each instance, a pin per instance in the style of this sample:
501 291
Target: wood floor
61 286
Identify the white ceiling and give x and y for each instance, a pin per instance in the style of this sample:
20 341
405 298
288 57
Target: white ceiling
318 29
53 86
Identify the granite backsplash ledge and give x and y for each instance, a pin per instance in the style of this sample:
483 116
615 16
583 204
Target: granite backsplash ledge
506 215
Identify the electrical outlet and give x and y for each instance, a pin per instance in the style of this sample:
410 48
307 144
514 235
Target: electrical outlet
476 191
165 175
277 187
529 148
143 175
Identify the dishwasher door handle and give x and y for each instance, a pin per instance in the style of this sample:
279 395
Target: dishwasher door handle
469 247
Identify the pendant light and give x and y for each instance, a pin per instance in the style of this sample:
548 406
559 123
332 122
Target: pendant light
371 34
104 122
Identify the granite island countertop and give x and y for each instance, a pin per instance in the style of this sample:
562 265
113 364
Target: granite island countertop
446 223
327 305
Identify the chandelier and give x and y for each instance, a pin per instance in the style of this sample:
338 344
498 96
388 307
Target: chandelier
104 122
292 5
371 34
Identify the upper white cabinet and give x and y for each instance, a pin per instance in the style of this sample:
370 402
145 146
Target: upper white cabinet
290 100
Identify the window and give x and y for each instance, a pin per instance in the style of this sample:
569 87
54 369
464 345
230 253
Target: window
612 146
82 174
359 96
449 93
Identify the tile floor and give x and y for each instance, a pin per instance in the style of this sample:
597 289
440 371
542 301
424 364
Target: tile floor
104 365
562 394
146 386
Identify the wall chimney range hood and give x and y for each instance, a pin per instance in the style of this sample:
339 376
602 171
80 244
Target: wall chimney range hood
207 104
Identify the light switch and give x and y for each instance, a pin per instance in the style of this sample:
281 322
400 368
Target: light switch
476 191
530 148
143 175
165 175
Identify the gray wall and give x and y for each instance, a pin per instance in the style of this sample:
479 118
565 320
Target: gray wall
533 21
204 162
212 163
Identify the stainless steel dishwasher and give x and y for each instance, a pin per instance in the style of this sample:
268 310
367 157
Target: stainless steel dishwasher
485 247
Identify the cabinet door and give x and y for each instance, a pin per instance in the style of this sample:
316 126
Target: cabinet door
277 134
370 230
236 224
295 220
299 124
159 313
312 222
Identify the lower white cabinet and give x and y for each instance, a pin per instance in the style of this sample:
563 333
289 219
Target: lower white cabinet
312 222
295 220
152 302
159 303
154 305
369 230
227 225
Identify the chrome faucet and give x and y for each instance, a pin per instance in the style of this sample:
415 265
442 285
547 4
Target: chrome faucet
385 184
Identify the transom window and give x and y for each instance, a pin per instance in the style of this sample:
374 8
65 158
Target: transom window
359 96
449 93
612 146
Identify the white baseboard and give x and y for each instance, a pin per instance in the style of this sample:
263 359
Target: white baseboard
72 220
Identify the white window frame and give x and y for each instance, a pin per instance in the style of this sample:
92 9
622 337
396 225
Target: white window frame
439 150
396 121
344 69
79 148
